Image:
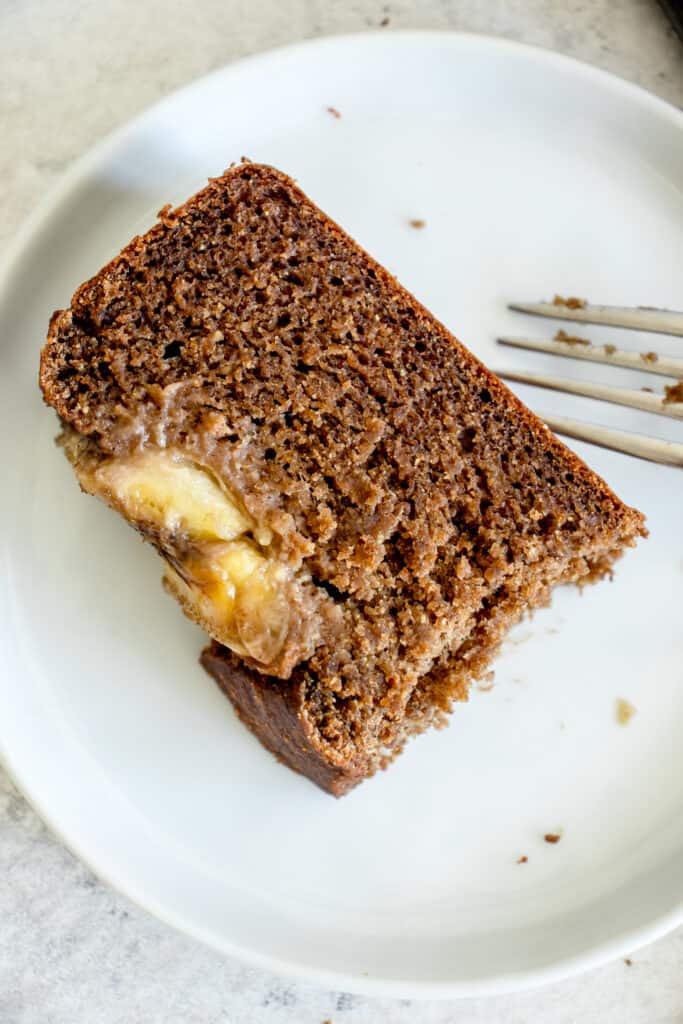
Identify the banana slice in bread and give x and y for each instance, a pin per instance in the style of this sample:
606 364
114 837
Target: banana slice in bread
220 565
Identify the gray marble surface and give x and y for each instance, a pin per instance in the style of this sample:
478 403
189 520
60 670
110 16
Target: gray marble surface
71 950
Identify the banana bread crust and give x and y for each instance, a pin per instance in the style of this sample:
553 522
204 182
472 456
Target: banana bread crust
276 712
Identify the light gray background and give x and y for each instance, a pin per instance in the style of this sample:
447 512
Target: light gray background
71 950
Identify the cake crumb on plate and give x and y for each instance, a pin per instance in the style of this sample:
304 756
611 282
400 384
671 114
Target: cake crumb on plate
624 711
485 684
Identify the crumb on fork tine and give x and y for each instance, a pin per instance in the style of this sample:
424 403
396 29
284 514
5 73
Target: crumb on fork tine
570 339
571 303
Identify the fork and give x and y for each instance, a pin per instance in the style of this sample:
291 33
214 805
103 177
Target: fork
643 318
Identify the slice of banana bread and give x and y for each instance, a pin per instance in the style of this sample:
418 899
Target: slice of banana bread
345 498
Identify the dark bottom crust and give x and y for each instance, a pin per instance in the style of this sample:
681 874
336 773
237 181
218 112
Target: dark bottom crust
274 711
278 712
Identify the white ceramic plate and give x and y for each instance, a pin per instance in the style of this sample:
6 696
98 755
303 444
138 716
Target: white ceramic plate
534 174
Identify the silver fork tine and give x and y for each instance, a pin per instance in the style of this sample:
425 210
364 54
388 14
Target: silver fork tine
650 448
605 393
650 362
639 318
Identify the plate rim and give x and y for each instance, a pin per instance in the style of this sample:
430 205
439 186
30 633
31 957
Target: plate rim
18 244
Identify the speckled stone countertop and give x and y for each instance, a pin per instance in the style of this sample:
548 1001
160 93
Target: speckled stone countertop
71 950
